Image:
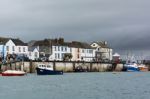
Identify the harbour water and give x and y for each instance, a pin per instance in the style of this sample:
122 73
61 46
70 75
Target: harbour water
101 85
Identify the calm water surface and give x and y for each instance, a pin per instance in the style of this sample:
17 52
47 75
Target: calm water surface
77 86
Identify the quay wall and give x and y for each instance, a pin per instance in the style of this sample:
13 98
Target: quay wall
30 67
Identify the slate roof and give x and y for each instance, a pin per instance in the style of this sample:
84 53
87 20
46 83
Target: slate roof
102 44
16 41
45 42
32 49
77 44
3 40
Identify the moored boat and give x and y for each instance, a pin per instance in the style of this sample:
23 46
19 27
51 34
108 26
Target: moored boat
13 73
46 69
131 67
80 69
143 68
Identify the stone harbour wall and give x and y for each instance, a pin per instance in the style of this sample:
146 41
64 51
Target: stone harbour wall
30 67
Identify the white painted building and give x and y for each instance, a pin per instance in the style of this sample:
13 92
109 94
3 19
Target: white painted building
87 54
102 51
15 46
33 54
58 52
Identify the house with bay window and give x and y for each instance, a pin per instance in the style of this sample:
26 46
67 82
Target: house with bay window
102 51
82 51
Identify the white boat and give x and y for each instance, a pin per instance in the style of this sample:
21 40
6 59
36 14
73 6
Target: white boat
13 73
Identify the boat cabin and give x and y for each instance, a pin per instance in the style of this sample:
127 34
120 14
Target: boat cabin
45 66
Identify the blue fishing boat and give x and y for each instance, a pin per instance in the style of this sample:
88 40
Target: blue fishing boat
43 69
131 67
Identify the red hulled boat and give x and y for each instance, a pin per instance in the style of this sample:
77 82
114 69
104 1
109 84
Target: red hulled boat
13 73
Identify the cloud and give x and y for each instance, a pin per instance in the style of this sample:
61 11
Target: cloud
124 24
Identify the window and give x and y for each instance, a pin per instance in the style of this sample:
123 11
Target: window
13 48
58 48
70 49
82 50
62 48
62 55
91 51
7 48
48 66
88 50
58 56
65 48
55 48
29 53
55 55
19 49
36 55
24 50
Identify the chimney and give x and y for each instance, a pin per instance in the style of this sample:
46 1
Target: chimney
56 40
61 40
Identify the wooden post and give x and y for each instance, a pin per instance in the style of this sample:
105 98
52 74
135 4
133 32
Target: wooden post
54 65
114 65
10 65
15 65
73 66
91 65
31 65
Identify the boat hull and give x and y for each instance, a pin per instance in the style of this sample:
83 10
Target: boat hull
131 69
11 74
48 72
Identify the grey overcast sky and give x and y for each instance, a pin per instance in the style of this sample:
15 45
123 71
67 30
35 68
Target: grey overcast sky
125 24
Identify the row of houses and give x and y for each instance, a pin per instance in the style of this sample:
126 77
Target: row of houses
56 49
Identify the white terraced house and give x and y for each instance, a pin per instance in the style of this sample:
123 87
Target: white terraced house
13 46
52 49
59 51
87 54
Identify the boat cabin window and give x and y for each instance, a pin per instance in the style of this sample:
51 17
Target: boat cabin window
45 66
48 66
41 65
